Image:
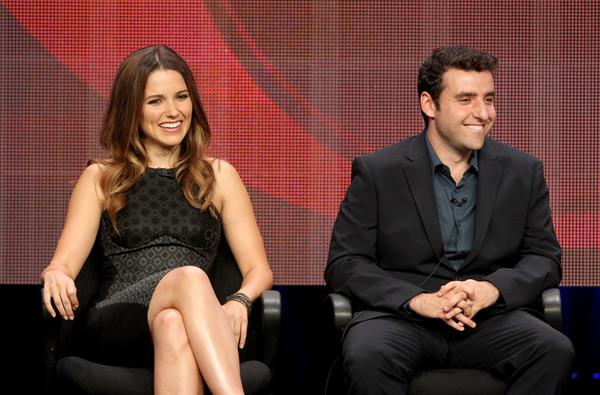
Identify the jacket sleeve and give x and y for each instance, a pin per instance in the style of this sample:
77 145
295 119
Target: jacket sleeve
538 266
352 267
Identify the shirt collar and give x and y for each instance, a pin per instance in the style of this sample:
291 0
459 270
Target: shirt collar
435 161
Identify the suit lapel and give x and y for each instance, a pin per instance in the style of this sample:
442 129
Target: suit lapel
418 174
490 174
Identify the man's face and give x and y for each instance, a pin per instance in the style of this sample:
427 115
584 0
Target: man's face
465 112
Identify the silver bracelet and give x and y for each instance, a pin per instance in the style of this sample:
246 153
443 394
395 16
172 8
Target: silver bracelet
241 298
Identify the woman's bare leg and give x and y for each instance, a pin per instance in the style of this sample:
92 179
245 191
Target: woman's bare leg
189 291
175 368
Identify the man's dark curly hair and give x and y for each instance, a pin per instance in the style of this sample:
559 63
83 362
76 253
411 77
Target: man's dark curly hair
442 59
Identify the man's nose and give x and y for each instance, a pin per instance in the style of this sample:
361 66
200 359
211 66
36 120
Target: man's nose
480 110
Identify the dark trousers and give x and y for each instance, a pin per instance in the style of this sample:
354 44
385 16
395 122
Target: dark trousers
381 355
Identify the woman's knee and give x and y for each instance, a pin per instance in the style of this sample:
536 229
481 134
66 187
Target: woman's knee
168 328
182 288
185 280
188 276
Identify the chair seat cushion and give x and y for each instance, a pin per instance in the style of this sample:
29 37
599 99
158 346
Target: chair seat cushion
79 376
76 375
256 377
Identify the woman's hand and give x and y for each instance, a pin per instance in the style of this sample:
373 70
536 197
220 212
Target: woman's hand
75 243
60 288
237 315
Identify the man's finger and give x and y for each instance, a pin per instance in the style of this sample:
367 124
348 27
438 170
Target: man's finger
456 325
466 306
454 301
465 320
452 313
446 288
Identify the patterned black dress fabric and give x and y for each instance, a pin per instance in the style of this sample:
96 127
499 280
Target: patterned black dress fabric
158 231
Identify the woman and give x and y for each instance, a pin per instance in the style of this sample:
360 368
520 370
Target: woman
159 204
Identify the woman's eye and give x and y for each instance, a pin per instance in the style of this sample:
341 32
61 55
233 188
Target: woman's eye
153 101
183 96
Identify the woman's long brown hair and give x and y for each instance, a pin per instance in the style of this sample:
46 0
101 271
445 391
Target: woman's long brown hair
120 134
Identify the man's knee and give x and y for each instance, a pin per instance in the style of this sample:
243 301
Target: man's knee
362 356
368 356
559 350
366 368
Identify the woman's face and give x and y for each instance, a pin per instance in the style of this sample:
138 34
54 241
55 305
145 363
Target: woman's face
166 112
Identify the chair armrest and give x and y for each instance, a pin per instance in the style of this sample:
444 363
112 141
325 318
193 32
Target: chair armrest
59 338
341 310
337 310
270 310
336 313
50 341
552 307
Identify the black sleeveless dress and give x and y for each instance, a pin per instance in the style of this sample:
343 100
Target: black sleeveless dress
158 231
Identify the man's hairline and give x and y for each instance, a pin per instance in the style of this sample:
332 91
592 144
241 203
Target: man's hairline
443 85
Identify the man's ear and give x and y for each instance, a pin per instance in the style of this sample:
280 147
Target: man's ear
427 104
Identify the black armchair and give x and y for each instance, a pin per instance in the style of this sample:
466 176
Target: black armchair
66 370
338 313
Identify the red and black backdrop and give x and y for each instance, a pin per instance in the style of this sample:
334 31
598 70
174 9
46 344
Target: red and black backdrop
293 90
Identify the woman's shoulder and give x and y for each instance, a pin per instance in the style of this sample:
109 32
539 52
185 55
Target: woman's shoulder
91 176
228 184
92 172
223 170
94 168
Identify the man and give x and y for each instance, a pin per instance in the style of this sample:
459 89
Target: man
440 241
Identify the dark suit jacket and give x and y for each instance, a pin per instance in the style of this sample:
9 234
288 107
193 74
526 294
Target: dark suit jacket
387 241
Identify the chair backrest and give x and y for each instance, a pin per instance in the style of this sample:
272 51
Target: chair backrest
225 276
